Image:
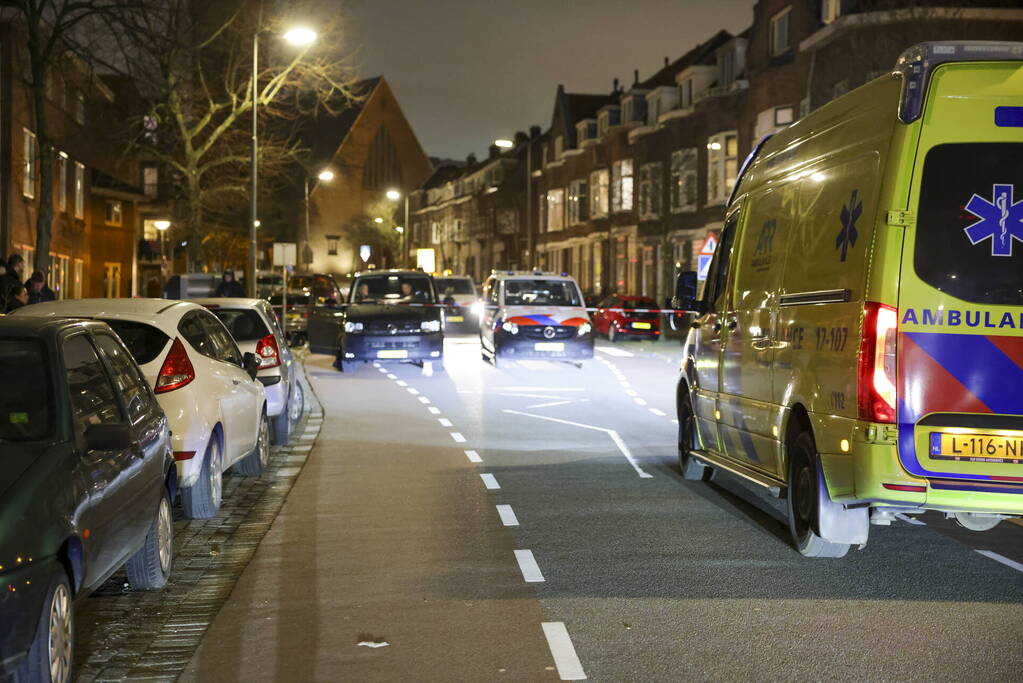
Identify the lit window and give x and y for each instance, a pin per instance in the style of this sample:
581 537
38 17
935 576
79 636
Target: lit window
113 216
621 185
783 116
29 149
151 181
62 181
830 10
332 241
578 202
722 166
555 210
79 190
779 32
599 193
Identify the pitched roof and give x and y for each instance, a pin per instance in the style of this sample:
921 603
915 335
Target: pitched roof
701 54
325 132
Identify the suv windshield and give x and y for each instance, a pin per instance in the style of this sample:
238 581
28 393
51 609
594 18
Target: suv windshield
25 401
376 289
457 285
969 236
540 293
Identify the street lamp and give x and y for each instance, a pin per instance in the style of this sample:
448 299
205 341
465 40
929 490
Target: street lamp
504 144
326 175
395 195
378 219
508 144
161 226
301 36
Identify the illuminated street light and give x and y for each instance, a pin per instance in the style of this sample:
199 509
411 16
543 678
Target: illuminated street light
378 219
161 225
326 175
504 144
393 195
399 229
300 35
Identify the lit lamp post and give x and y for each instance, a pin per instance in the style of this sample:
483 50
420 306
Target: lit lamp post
300 36
161 226
508 144
395 195
326 175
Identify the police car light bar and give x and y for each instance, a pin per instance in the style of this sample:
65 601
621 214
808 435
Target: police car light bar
916 64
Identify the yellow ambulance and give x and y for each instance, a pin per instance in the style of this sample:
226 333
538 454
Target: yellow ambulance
858 346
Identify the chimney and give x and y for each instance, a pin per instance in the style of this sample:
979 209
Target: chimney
614 89
635 77
665 61
534 132
470 160
520 137
493 152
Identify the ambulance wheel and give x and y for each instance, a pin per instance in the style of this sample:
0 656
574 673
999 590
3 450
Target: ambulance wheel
804 501
692 469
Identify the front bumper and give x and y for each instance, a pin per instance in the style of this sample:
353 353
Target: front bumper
393 347
22 592
512 346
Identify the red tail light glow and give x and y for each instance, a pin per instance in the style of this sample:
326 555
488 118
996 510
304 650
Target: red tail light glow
177 370
268 352
876 380
906 487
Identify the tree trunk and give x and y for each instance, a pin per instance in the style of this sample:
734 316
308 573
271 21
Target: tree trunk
44 217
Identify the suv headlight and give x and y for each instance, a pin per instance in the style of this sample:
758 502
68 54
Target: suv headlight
353 327
584 329
510 327
430 326
477 309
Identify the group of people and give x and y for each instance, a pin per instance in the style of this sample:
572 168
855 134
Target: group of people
15 292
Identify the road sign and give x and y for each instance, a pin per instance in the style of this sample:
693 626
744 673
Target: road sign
709 245
285 254
703 266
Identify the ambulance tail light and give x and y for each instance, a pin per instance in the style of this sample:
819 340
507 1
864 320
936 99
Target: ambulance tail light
876 380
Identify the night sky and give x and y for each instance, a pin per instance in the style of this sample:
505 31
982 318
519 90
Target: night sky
468 71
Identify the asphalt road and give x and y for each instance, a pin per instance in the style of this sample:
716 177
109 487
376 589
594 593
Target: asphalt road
529 523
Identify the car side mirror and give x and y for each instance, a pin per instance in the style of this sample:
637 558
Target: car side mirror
250 363
685 292
108 437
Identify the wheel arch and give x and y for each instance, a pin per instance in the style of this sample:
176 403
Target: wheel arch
71 556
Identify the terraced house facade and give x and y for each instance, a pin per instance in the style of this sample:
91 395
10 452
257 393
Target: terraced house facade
626 187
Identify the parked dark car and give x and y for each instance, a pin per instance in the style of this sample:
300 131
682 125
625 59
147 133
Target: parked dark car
390 315
305 293
86 484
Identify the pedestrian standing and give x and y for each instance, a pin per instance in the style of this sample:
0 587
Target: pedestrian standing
10 277
229 286
38 290
17 296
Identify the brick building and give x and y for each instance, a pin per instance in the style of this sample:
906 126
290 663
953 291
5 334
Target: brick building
627 186
97 191
370 148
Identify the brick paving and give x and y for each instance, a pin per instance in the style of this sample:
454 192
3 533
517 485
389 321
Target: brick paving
151 635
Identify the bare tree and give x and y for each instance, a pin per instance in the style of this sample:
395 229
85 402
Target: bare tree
194 62
50 27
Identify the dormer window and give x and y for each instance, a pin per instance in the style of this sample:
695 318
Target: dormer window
585 130
779 32
607 117
685 94
726 68
633 108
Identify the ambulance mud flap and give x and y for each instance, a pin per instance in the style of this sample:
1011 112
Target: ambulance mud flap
838 524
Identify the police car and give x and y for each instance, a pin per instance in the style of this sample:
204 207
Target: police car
533 314
858 347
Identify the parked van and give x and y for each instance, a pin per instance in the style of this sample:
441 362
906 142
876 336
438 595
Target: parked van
858 347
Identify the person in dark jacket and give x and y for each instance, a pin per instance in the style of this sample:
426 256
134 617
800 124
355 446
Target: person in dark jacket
38 290
229 286
17 296
14 267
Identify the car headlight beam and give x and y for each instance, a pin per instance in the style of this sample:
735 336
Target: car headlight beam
352 327
430 326
584 329
510 327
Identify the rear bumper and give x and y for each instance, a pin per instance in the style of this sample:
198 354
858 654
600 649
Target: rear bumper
392 347
511 346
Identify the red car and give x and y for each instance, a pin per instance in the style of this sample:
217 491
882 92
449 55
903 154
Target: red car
616 316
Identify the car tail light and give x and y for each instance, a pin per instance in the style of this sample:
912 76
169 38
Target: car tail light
184 455
268 352
177 370
876 380
305 314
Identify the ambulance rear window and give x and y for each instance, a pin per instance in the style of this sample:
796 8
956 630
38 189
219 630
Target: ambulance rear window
969 236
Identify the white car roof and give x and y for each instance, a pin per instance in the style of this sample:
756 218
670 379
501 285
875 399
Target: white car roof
229 302
531 275
161 313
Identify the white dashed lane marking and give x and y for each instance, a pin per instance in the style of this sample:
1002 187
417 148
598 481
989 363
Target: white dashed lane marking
435 410
658 413
424 400
612 351
548 405
991 555
528 566
507 515
458 437
444 422
490 481
639 401
402 383
565 658
414 392
473 456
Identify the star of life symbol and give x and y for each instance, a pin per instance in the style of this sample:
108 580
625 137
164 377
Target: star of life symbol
1001 220
849 215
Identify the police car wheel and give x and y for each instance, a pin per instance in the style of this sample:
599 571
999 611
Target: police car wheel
692 469
803 501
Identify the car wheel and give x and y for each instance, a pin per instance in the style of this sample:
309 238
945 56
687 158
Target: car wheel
297 403
51 652
803 501
281 424
150 566
692 469
202 499
611 334
256 462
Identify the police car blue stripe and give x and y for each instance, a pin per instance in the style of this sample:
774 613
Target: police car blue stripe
979 365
